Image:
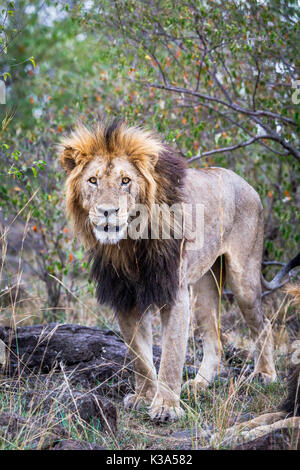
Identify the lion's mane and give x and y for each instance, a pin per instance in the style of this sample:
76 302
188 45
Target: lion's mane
133 273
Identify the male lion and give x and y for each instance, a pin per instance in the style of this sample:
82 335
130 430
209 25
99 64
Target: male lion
113 162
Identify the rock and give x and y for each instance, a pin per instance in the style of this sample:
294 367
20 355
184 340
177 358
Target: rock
88 355
45 346
88 405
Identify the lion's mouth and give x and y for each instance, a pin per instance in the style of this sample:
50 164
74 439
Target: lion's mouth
108 228
107 233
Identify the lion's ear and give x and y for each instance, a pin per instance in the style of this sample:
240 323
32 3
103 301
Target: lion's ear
67 159
153 159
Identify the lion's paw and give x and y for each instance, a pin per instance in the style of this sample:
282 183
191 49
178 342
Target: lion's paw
195 386
263 377
135 401
165 411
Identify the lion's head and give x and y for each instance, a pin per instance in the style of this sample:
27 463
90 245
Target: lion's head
111 169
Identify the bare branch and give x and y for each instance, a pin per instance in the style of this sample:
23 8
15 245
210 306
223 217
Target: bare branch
228 149
232 106
237 123
235 107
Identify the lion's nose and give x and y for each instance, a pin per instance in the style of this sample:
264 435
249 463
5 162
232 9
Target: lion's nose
107 211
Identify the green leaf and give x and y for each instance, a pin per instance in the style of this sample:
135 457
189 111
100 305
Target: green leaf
5 75
31 59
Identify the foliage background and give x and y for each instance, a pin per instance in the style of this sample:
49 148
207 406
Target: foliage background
217 81
214 78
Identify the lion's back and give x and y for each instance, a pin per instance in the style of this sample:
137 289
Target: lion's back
215 185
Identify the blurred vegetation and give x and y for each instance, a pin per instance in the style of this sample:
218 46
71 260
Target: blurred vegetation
216 79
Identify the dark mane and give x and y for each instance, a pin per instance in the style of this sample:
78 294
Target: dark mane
150 274
155 283
110 130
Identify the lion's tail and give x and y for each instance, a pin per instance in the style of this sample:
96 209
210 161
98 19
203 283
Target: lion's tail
277 281
292 404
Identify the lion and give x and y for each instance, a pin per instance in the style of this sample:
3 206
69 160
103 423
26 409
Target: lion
114 162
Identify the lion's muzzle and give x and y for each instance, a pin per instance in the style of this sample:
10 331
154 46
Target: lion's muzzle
109 224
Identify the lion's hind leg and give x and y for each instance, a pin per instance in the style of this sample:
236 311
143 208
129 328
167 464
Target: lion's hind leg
244 280
205 311
243 274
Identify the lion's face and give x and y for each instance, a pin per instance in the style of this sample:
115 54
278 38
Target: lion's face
110 190
116 175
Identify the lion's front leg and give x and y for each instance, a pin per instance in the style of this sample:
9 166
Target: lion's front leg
175 328
137 333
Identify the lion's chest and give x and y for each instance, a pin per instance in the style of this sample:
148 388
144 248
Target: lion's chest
153 281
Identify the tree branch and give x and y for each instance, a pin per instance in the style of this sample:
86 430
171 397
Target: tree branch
227 149
233 106
254 114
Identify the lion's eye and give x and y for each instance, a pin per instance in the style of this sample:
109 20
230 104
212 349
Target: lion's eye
93 180
125 180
